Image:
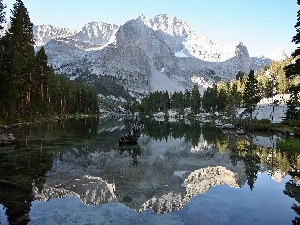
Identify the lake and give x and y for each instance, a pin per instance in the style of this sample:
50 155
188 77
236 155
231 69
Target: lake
75 172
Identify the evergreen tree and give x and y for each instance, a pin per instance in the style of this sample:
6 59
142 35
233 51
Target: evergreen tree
18 58
240 75
166 101
251 94
234 98
195 99
292 71
187 98
178 102
42 71
222 95
210 98
28 85
2 14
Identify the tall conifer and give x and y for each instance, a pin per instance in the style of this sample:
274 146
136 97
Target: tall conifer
251 94
42 71
292 71
19 52
195 99
2 14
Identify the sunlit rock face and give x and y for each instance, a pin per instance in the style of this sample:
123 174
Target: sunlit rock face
44 33
97 33
141 51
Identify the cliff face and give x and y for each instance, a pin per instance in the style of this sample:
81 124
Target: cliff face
162 53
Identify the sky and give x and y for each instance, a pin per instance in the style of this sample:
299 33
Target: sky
262 25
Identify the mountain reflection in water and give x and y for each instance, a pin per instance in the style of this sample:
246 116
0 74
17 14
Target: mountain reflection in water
173 167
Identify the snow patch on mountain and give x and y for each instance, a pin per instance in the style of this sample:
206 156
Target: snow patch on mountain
180 37
180 54
278 54
136 51
44 33
97 33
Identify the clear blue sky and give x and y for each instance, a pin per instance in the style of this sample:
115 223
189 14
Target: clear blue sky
261 25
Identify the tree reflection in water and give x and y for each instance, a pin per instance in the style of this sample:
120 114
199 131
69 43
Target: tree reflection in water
85 140
292 188
134 150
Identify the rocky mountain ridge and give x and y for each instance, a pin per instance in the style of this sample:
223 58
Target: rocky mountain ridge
162 53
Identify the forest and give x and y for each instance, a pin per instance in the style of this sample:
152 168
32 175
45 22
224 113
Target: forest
29 86
245 91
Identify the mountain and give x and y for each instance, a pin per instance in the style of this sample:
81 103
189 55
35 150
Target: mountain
278 54
45 33
162 53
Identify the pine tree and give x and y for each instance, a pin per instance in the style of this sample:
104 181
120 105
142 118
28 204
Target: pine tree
17 53
2 14
210 98
251 94
234 99
222 95
292 71
195 99
178 102
187 98
42 71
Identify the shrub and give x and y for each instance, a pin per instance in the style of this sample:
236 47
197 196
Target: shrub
292 123
289 145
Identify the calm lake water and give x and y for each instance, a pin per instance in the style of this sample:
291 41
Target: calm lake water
75 172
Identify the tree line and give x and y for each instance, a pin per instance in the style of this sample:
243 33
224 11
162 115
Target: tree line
280 77
245 91
162 101
29 86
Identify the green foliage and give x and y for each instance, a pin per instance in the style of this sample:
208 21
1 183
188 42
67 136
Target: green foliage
292 71
261 125
2 14
209 98
292 123
177 100
222 95
240 75
195 100
187 98
29 87
292 112
157 101
289 145
106 85
17 56
160 101
251 93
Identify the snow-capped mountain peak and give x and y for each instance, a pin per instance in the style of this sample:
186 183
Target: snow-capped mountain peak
96 33
169 25
142 18
143 52
45 32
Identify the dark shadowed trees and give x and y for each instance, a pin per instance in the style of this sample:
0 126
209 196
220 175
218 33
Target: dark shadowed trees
292 71
2 14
